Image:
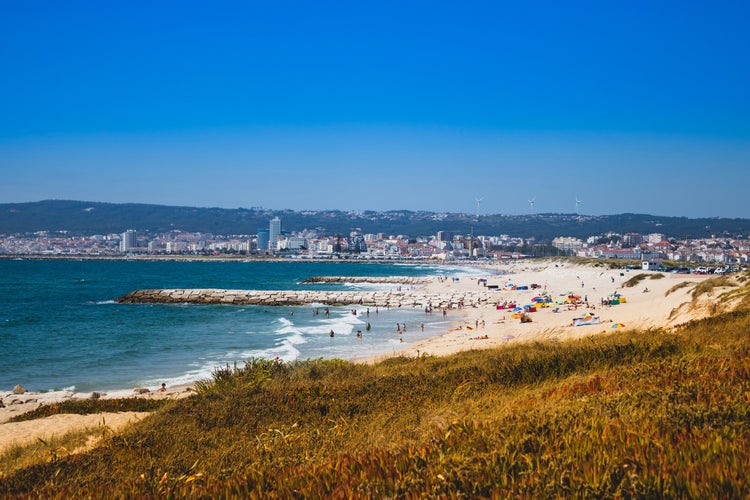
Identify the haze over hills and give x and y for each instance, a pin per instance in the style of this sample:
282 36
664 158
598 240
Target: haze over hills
86 218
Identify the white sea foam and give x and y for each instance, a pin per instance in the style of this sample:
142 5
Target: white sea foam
342 323
203 373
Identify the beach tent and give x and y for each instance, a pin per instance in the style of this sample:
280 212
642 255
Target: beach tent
588 319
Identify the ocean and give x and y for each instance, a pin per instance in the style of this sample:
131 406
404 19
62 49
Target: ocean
61 329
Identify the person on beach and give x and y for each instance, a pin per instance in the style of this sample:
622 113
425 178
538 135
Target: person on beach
331 334
367 327
163 387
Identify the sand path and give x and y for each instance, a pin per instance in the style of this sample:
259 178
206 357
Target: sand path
21 433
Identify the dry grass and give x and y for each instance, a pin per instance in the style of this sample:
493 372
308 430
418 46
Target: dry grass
635 280
678 286
55 448
630 414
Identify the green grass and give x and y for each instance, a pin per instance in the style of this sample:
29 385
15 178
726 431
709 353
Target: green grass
630 414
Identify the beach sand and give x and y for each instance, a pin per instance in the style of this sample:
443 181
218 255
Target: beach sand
483 327
473 328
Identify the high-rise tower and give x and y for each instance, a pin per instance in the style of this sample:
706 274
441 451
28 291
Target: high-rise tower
128 240
274 231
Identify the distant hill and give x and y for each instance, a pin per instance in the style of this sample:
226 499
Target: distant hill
85 218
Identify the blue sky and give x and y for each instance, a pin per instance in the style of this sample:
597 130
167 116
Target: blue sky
629 106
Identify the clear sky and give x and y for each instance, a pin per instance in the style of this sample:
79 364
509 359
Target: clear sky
635 106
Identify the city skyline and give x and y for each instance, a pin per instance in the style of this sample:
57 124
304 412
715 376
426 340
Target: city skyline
583 107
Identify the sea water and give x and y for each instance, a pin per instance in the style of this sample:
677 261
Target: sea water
61 329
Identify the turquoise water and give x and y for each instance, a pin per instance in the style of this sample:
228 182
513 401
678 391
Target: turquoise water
61 329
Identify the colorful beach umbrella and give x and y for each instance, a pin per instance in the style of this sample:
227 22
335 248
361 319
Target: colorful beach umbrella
618 325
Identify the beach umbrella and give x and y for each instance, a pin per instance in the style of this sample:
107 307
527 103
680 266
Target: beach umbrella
517 309
618 325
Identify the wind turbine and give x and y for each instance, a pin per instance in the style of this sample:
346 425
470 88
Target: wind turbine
531 202
578 203
479 201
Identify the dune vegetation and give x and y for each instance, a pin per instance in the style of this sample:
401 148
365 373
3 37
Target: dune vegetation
628 414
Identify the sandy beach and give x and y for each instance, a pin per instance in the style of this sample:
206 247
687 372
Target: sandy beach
473 328
487 326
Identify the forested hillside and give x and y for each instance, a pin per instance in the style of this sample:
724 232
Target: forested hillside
85 218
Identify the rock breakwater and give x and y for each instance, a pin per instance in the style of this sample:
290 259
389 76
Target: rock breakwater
412 298
396 280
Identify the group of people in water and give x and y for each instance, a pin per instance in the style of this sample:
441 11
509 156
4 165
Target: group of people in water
400 327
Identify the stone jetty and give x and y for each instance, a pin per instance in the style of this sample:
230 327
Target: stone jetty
396 298
396 280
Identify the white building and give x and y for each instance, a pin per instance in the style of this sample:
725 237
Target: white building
274 231
128 240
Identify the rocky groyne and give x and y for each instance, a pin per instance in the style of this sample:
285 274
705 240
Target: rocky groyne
396 280
396 298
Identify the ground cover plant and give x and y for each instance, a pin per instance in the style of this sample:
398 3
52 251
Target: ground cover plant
629 414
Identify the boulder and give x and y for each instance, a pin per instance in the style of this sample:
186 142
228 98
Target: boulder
141 390
19 389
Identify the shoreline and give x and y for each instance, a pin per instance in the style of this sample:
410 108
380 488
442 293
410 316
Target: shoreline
664 305
464 330
16 404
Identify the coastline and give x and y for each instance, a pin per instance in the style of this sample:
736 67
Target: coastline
471 328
